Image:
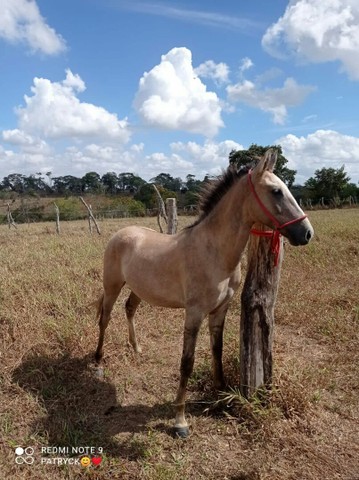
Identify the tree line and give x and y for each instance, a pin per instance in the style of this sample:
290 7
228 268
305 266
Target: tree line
326 184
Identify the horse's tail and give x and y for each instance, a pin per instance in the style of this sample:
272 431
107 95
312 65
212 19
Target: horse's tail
99 307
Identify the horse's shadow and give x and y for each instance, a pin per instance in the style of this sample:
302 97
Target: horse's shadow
82 409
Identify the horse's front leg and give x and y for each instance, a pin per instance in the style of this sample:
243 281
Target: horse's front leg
192 324
216 323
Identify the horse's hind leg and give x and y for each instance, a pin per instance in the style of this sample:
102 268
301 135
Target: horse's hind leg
105 306
216 324
132 303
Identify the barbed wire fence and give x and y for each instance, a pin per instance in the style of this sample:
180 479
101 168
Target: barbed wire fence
15 218
92 216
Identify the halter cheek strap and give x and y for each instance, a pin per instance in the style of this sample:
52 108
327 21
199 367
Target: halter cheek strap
275 233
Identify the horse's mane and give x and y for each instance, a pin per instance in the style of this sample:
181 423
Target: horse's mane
214 190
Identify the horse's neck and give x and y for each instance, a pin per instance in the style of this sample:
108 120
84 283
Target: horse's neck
227 229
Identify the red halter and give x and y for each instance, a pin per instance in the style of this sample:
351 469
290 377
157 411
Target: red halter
274 234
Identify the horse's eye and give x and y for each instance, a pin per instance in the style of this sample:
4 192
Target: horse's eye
277 192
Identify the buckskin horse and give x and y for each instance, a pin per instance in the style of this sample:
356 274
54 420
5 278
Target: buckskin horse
198 269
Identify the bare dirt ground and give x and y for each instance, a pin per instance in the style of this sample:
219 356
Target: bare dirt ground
51 397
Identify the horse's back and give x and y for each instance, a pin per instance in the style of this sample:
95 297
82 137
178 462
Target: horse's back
135 238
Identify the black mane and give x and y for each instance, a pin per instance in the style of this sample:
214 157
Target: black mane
214 190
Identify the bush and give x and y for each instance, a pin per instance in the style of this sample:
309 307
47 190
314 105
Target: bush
70 208
123 207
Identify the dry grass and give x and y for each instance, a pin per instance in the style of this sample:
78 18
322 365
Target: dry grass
51 397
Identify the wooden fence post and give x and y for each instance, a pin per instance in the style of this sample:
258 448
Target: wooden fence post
57 210
161 209
257 315
10 219
171 208
90 217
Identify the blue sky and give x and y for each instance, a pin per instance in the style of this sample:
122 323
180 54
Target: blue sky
151 87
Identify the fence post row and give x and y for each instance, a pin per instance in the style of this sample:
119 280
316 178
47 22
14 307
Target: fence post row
257 315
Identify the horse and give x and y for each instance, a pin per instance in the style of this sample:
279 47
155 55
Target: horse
198 269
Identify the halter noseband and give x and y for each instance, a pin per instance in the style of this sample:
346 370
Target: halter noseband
275 233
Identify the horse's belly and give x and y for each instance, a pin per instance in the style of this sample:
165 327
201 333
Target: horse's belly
158 299
158 292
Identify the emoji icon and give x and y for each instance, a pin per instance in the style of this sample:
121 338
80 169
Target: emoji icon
85 461
96 460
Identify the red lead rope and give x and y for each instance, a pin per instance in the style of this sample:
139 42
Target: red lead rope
275 245
274 234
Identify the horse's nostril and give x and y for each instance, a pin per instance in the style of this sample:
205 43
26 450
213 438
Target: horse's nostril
308 235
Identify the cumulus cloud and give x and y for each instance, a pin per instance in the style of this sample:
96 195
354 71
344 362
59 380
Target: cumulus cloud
211 157
26 142
26 161
272 100
323 148
317 32
21 22
54 111
171 96
189 158
216 71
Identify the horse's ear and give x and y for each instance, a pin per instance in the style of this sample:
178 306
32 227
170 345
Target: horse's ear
267 162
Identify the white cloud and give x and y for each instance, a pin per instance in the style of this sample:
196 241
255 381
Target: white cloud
272 100
54 111
99 158
211 157
318 31
246 64
216 71
189 158
160 162
27 161
171 96
323 148
26 142
181 159
21 22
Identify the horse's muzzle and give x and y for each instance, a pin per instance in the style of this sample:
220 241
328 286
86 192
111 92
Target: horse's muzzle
300 233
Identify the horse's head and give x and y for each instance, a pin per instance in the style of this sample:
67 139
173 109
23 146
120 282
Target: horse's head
271 203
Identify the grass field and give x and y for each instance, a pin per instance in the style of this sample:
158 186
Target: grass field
51 397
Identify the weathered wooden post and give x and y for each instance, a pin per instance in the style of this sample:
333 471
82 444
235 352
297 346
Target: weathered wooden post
10 219
91 217
171 209
161 209
57 211
257 311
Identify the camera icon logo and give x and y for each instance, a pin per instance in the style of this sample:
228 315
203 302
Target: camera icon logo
24 455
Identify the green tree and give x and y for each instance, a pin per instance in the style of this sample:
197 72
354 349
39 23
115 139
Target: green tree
129 182
327 184
14 182
246 157
148 197
67 185
34 184
91 182
192 184
110 182
166 181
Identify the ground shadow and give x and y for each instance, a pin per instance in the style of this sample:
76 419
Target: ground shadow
82 409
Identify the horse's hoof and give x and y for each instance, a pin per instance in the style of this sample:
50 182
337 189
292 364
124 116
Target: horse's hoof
99 373
181 432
